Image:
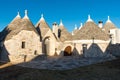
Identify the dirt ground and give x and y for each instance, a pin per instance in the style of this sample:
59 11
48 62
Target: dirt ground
102 71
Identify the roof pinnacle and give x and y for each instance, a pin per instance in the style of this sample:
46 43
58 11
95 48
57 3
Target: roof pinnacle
42 17
75 27
26 14
108 19
18 15
80 25
89 19
61 24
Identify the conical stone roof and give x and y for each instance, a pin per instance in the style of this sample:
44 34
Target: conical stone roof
14 24
17 25
65 35
90 31
27 25
42 27
108 25
75 30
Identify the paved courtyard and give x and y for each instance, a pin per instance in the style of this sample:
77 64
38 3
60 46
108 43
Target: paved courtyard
63 63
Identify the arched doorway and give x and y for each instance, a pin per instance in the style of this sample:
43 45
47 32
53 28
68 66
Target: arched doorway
45 46
68 51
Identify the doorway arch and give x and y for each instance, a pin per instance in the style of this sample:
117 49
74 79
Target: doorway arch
68 51
45 47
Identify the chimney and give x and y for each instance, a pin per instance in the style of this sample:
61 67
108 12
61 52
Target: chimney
55 28
100 24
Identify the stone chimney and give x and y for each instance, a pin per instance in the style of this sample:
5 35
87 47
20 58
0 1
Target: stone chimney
55 28
100 24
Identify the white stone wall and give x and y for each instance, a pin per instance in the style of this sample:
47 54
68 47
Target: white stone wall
55 30
99 46
113 35
118 36
32 44
50 43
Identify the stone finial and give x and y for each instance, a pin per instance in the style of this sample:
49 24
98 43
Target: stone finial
75 27
61 24
26 14
88 16
108 19
18 15
89 19
42 17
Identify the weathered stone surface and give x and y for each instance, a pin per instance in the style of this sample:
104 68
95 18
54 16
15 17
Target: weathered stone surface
63 63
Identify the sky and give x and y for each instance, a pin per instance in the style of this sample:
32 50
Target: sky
71 12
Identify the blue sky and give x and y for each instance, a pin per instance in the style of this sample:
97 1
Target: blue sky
70 11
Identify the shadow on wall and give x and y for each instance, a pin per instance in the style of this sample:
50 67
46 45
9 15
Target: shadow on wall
93 51
68 51
3 49
39 32
4 55
113 49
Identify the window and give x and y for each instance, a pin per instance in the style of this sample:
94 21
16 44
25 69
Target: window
59 33
23 45
35 52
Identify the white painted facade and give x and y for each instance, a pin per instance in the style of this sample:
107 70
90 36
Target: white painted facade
115 34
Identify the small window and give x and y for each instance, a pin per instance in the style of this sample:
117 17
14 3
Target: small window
23 45
59 33
35 52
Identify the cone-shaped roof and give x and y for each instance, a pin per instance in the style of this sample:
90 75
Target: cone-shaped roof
22 24
75 30
27 24
65 35
14 24
108 25
90 31
42 26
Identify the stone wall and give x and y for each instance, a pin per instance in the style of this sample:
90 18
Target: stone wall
50 42
87 48
15 46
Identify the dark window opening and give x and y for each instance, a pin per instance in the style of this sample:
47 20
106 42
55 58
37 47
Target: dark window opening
23 45
35 52
59 33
